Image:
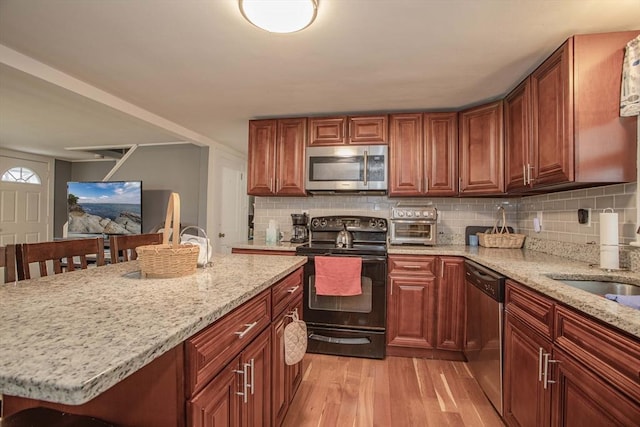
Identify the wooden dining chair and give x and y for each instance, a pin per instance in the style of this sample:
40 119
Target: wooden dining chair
123 247
8 262
62 253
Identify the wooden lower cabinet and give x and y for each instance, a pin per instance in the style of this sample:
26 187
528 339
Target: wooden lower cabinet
240 395
590 369
285 378
526 401
425 306
585 399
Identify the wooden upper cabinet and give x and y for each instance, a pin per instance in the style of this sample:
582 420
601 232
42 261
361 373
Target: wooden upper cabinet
276 157
482 150
262 157
552 119
369 130
441 153
327 131
517 134
406 165
355 130
577 135
423 154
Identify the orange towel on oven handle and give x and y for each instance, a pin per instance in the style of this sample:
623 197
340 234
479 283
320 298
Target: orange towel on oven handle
338 276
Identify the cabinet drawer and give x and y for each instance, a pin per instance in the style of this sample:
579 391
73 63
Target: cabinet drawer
211 349
412 265
285 291
614 356
530 307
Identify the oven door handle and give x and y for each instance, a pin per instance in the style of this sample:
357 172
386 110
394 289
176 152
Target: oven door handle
365 259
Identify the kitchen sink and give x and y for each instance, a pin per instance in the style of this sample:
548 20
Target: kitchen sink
601 287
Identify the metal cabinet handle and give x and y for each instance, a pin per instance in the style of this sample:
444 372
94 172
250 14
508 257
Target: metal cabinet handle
412 267
524 174
540 358
243 393
529 168
249 327
253 378
547 360
292 290
442 269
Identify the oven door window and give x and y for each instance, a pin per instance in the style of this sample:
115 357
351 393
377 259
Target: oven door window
354 304
412 229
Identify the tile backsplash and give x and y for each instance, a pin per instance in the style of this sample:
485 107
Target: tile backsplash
560 233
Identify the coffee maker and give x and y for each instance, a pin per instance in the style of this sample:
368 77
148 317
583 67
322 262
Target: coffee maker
300 232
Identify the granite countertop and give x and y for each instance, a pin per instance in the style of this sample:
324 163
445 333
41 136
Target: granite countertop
69 337
262 245
533 268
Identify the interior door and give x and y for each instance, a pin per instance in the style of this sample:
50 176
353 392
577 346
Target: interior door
229 201
26 209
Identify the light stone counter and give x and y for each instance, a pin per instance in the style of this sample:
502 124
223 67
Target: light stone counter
532 268
262 245
69 337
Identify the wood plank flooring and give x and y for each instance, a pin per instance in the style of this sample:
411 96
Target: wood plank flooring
396 391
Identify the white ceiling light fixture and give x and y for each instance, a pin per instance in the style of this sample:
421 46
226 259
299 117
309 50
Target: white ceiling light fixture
279 16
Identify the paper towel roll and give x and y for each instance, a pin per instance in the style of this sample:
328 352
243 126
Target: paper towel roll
609 257
609 228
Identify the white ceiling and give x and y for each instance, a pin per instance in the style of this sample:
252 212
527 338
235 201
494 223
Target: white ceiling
201 71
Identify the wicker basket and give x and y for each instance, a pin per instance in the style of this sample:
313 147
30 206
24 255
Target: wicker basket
169 260
500 238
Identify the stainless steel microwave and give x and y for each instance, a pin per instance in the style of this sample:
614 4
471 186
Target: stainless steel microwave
347 168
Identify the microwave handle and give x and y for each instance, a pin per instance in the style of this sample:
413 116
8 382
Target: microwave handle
366 166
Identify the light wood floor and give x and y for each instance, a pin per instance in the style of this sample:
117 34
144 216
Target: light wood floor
396 391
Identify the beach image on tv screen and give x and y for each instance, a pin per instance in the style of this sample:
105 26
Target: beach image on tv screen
104 207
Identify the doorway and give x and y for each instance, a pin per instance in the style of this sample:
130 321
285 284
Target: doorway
26 198
228 202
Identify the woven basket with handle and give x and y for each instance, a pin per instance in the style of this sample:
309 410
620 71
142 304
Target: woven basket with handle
169 259
500 237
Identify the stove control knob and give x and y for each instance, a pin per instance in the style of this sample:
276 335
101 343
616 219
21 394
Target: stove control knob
400 214
382 223
417 214
315 223
323 222
427 214
409 214
372 223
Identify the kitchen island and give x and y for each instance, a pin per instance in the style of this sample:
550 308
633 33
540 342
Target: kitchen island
69 338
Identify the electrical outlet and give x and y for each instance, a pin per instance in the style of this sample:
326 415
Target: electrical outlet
584 217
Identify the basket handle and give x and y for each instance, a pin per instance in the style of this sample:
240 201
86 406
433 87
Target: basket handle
504 228
173 211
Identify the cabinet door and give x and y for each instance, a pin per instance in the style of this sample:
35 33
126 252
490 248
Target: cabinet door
262 157
411 311
482 150
327 131
526 402
285 379
256 359
290 157
441 154
406 165
517 116
552 105
583 399
369 130
217 405
450 319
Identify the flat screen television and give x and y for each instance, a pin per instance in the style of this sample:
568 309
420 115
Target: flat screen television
104 207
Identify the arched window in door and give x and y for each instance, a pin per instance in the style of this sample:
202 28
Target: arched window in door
21 175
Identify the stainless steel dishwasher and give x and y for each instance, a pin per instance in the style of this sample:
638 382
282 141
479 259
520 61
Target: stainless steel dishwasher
483 337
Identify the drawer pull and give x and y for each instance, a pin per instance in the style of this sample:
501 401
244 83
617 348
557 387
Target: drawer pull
412 267
292 290
249 327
